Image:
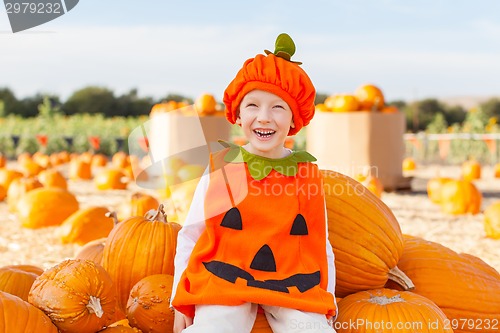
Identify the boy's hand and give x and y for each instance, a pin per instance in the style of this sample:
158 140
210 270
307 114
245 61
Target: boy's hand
181 321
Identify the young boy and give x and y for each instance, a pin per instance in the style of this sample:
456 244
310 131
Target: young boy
256 233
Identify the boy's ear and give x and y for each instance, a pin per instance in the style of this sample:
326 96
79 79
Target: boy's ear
292 125
238 121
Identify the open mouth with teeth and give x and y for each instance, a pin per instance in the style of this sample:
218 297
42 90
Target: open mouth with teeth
264 133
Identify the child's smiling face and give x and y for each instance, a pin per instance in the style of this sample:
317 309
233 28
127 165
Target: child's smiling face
265 119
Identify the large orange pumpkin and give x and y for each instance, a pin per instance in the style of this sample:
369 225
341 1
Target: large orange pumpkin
85 225
77 295
43 207
148 306
386 310
370 97
17 281
492 220
138 247
365 236
460 197
463 286
18 316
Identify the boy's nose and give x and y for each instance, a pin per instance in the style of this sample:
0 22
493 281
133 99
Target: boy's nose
263 115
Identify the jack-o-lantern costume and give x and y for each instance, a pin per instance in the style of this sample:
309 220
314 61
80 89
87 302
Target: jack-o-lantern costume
256 232
264 240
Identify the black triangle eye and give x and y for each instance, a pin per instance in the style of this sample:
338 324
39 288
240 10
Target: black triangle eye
299 227
232 219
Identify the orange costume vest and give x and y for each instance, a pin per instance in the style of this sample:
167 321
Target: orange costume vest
264 240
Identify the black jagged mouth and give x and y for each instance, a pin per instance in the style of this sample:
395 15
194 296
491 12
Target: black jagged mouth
264 133
230 273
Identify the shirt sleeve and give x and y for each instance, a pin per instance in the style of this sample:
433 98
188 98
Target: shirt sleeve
331 262
191 230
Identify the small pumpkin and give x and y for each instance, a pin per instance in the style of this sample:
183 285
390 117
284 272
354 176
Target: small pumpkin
496 170
17 281
138 204
386 310
365 236
86 298
46 206
111 179
138 247
370 97
372 183
52 178
460 197
492 220
342 103
434 186
99 160
18 316
7 176
18 188
30 168
80 169
471 170
409 164
120 160
85 225
3 160
206 104
148 306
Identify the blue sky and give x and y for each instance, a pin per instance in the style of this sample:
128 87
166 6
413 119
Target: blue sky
411 49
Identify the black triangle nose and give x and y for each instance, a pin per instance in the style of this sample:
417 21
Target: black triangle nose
264 260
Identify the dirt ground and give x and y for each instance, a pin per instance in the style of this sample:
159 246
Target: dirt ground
414 211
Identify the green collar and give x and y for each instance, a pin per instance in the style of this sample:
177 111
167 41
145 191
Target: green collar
260 167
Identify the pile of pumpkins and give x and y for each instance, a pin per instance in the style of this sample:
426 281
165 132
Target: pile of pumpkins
121 282
204 105
367 98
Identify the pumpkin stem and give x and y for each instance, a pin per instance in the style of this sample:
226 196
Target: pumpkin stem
399 277
94 306
157 215
113 216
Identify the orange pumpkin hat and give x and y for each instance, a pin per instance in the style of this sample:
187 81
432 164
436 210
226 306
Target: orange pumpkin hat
277 74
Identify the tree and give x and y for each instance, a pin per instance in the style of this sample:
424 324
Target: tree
177 98
420 114
455 114
131 105
491 108
10 102
91 100
438 124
